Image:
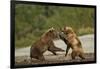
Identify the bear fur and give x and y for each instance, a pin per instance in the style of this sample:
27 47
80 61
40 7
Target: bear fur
70 38
43 44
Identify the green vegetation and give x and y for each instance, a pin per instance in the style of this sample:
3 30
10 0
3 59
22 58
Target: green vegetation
31 21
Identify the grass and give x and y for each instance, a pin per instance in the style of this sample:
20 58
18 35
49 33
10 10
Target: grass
29 39
84 31
25 41
31 21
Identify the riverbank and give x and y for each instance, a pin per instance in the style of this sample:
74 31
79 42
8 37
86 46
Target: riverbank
52 59
22 55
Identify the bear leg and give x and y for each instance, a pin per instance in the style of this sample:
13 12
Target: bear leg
81 55
73 54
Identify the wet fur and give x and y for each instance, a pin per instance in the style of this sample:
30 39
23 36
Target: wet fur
72 42
43 44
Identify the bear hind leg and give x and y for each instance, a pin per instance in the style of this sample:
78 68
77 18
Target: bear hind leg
41 57
81 55
73 55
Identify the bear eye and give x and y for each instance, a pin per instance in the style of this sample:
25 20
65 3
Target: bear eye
51 31
66 32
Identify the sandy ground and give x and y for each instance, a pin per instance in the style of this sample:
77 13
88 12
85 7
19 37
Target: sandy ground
22 55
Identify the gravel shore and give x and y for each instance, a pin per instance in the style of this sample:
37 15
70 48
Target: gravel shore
22 54
50 59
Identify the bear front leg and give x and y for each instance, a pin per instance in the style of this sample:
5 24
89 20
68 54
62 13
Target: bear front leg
68 47
51 50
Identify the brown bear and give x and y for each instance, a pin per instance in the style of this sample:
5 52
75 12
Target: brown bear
43 44
72 41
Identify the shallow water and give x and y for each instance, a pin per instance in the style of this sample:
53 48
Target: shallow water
87 43
86 40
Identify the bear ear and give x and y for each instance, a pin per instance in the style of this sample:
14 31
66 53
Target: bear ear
65 27
51 30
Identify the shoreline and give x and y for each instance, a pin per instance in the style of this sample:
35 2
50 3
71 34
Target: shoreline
50 59
22 54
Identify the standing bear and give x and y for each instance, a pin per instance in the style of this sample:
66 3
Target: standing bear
43 44
73 42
